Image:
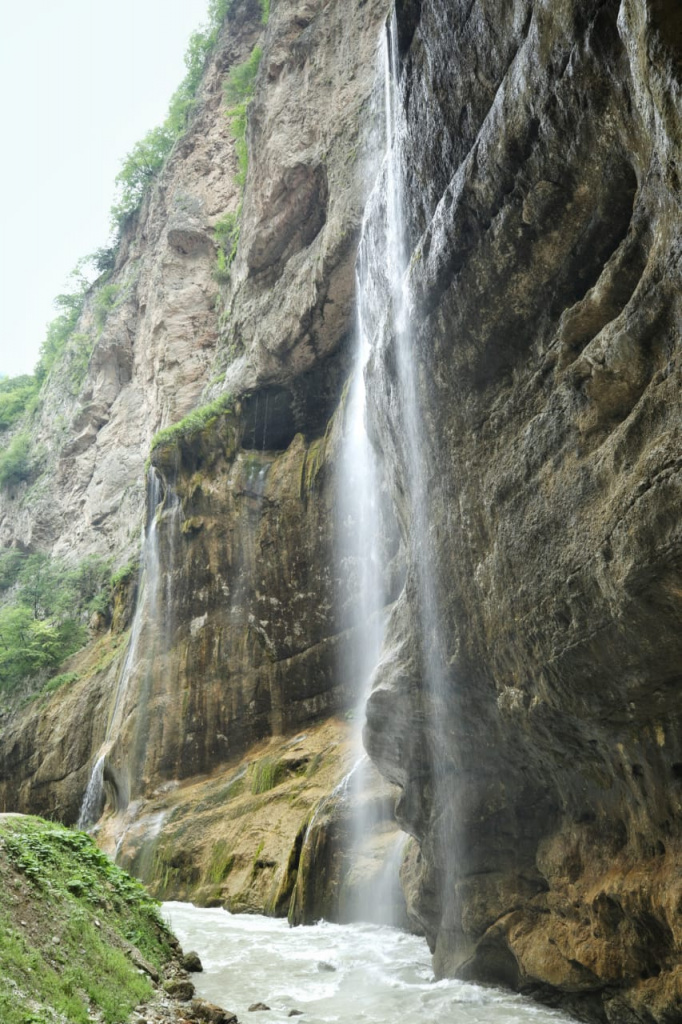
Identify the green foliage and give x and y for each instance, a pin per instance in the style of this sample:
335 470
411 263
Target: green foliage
218 11
193 423
226 233
11 561
29 645
64 679
91 584
70 305
16 461
146 158
103 259
265 11
139 170
238 86
16 394
238 89
124 574
65 882
43 620
105 300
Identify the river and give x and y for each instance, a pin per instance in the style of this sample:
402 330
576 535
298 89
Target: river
333 973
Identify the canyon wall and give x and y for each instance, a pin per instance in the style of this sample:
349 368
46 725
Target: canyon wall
240 626
528 709
541 159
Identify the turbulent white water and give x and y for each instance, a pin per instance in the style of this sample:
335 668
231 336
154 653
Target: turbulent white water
333 973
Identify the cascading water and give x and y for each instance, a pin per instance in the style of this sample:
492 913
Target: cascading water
415 453
146 611
364 530
384 331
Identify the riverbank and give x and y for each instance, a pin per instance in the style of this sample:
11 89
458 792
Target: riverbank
80 940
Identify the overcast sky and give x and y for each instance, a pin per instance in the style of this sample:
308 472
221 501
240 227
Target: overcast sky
81 81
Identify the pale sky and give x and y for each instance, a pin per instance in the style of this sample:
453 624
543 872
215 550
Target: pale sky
81 81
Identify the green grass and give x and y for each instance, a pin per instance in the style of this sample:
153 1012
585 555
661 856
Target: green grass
193 423
63 679
68 917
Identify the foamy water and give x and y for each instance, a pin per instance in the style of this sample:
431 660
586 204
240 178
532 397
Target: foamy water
333 973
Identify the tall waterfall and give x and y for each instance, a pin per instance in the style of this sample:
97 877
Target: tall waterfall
362 555
385 334
146 614
418 474
381 310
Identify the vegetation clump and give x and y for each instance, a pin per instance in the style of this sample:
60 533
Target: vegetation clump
69 922
143 163
238 90
193 423
16 394
45 608
16 461
266 774
226 234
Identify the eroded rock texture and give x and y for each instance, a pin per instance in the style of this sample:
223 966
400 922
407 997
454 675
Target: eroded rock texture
543 776
244 622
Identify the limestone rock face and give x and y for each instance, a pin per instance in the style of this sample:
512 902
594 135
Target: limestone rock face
170 332
244 624
527 698
541 774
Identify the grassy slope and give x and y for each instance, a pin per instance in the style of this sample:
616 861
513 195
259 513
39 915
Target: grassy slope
68 920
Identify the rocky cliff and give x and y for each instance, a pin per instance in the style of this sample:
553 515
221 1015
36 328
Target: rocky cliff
525 702
240 624
543 217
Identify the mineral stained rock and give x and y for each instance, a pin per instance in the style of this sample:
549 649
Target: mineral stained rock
542 777
542 168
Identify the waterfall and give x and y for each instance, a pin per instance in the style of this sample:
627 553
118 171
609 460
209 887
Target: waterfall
363 544
418 474
146 612
384 331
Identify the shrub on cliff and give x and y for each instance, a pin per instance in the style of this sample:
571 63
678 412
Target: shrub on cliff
147 157
16 461
16 393
44 615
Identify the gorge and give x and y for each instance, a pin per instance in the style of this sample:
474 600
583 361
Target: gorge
389 386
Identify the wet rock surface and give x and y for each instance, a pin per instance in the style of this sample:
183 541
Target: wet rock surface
542 775
253 621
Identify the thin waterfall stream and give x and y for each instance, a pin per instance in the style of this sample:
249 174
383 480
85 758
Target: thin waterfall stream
384 318
146 612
